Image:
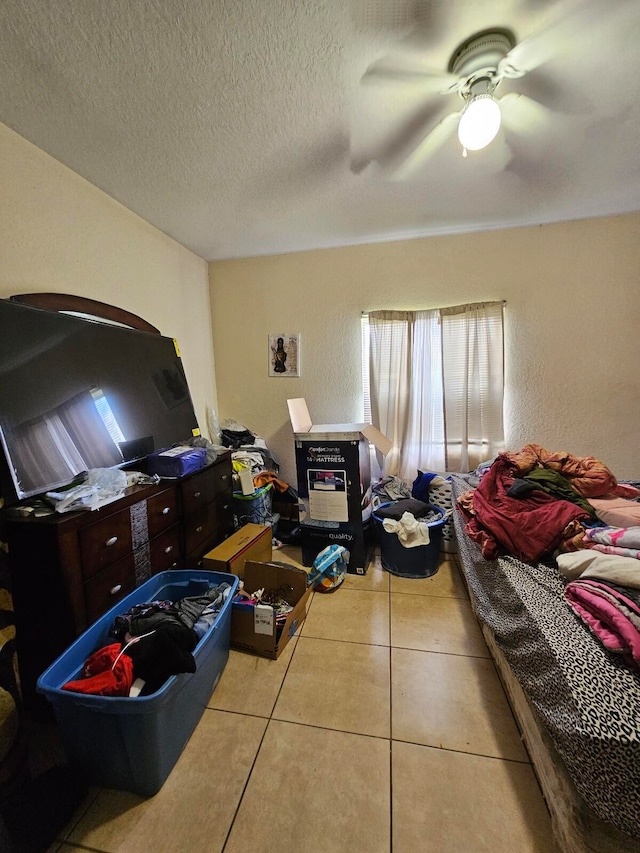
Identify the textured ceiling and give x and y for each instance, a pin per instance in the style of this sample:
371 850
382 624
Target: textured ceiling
234 125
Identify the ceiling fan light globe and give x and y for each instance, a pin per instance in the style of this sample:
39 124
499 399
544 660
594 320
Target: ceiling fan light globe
479 123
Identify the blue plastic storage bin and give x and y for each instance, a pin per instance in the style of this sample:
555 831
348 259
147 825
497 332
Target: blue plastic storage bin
420 561
132 743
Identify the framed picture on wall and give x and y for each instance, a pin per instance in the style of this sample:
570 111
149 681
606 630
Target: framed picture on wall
284 354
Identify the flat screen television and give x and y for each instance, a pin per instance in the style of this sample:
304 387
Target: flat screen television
77 394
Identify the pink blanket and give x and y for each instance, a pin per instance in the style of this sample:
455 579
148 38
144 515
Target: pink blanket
617 512
609 615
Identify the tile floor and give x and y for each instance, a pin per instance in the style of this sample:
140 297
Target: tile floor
382 727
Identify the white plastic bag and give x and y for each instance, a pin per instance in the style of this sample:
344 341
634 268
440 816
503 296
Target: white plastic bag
101 486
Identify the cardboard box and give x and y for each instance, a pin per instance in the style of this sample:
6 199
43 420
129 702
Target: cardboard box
333 463
251 542
304 426
255 630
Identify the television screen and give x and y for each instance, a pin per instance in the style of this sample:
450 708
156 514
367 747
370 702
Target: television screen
77 394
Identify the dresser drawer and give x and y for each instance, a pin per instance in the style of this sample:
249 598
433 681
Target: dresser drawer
107 587
105 542
162 511
224 514
199 527
221 477
165 550
205 486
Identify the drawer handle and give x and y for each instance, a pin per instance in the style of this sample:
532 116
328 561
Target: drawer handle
116 589
166 510
199 529
197 494
111 541
168 549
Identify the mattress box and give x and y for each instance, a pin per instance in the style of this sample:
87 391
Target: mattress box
177 461
131 743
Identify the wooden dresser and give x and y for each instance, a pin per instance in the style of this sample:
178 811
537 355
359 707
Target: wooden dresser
67 570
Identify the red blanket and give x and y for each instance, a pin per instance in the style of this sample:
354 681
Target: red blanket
527 527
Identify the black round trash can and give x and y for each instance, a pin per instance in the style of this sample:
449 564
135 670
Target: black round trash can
421 561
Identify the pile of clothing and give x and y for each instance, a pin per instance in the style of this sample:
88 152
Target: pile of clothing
534 502
537 504
247 448
408 511
410 520
251 458
152 641
603 587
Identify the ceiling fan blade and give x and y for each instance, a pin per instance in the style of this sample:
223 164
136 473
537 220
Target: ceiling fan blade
400 137
521 114
581 22
531 53
415 162
494 158
389 70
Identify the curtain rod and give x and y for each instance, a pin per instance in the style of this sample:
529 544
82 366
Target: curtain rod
440 308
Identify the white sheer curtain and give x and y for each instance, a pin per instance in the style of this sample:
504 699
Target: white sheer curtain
473 377
435 386
405 387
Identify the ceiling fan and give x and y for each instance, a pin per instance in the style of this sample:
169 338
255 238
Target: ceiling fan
473 76
475 71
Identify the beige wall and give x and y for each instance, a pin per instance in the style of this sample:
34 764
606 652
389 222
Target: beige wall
572 319
59 233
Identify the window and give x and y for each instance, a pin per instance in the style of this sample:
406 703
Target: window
434 384
67 440
108 418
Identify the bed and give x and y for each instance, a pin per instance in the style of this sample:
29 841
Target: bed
577 704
